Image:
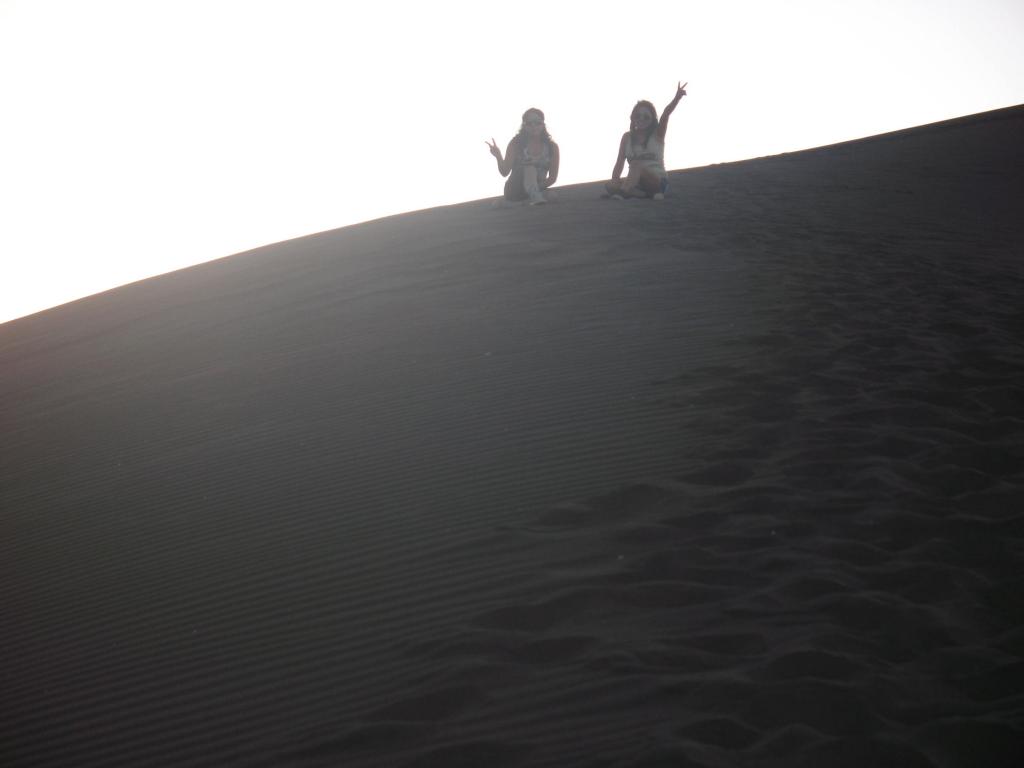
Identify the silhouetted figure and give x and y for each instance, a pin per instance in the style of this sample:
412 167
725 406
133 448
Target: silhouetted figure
530 161
643 146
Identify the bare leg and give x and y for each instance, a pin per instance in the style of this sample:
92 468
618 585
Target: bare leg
629 183
649 182
531 185
514 191
642 182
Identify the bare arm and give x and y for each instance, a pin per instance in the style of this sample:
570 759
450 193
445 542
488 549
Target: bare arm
663 123
506 168
504 163
552 169
620 161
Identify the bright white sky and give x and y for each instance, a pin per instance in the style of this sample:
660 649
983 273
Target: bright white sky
142 136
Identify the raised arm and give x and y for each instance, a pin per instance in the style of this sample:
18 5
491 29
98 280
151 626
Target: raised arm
620 161
663 123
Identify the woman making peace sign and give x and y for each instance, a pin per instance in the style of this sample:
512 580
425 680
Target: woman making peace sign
530 161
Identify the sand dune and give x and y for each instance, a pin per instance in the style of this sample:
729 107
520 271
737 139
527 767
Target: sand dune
732 479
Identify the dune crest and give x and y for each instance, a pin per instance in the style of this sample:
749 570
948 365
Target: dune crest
733 478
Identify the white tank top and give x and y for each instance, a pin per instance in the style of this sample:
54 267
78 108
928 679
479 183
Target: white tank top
523 156
651 157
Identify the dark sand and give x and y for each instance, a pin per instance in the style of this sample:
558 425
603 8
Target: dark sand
735 479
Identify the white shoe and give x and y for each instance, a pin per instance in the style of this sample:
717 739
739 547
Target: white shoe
659 196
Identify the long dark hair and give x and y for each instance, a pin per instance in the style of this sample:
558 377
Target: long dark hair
543 129
654 119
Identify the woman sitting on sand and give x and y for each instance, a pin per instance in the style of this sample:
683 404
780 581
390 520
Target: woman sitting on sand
643 145
530 162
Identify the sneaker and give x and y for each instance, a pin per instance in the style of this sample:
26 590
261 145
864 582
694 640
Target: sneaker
659 195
